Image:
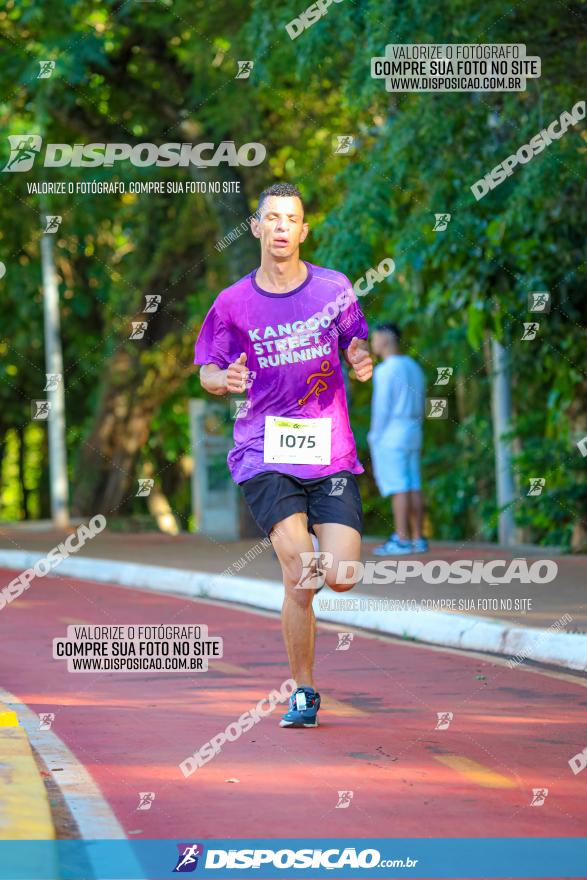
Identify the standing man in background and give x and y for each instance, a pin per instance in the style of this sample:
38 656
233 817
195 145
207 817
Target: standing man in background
395 440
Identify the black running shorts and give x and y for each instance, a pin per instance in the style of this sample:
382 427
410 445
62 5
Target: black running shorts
271 496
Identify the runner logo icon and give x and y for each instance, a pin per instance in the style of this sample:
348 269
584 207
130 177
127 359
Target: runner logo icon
23 151
241 408
46 69
437 408
53 381
145 486
444 719
146 799
187 861
313 573
320 384
444 375
152 301
537 484
338 485
344 641
46 719
530 330
539 795
441 222
244 69
53 223
344 799
40 410
539 301
344 143
138 329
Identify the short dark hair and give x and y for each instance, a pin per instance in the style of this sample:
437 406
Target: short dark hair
390 329
278 189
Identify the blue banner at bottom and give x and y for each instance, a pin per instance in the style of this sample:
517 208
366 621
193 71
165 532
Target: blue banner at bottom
384 858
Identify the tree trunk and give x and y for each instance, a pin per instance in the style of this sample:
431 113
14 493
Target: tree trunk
21 472
131 394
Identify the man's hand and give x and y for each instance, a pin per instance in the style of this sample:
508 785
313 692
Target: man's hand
237 375
233 380
359 358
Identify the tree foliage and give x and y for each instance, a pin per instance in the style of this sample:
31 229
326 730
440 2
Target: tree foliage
156 72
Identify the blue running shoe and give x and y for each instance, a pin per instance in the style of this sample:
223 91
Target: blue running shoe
303 709
394 547
421 545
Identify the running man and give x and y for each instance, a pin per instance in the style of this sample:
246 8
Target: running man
276 334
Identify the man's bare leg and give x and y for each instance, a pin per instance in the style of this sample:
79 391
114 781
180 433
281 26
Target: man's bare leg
344 543
400 506
290 537
416 512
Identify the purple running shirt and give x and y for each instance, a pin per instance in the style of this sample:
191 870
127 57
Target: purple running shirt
292 342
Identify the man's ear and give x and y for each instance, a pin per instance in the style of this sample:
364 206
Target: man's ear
255 228
304 232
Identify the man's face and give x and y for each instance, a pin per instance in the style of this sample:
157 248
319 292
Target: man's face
280 228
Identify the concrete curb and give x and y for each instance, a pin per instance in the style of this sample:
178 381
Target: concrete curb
568 650
25 813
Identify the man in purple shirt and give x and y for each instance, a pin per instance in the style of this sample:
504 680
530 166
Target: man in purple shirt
277 334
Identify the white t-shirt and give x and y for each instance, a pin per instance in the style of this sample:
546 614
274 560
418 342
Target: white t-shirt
397 406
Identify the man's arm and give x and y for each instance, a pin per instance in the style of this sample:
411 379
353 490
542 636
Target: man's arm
213 379
219 382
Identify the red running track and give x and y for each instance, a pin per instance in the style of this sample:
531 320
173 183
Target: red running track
512 730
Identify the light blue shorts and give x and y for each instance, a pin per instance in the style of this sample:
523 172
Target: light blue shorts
396 470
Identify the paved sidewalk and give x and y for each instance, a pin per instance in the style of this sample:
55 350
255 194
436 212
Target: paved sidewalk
544 603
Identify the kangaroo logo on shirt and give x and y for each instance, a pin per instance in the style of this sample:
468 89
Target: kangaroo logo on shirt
320 384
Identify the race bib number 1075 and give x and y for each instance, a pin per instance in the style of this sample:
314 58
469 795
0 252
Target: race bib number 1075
297 441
